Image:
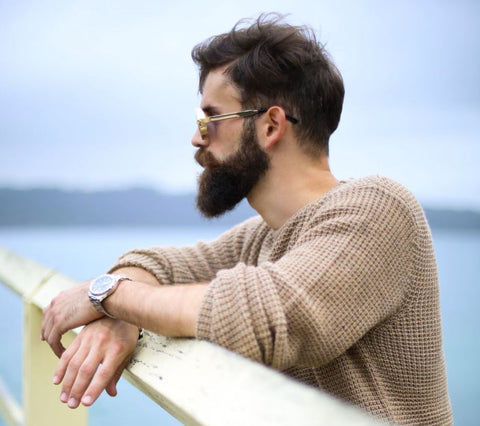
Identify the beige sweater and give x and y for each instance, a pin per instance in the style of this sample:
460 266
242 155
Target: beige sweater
343 297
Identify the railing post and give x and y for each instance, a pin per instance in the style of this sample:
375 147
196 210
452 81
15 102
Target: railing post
41 403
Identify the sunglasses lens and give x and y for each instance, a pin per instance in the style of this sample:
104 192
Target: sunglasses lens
202 125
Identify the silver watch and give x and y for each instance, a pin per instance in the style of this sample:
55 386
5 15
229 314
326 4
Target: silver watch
102 287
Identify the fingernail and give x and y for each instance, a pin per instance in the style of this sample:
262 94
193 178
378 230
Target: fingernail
55 380
87 400
72 403
63 397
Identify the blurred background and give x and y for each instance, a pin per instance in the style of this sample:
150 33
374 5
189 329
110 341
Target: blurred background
99 96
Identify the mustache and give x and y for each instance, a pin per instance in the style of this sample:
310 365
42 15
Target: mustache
206 159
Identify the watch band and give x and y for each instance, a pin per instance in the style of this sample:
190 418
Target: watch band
97 299
97 304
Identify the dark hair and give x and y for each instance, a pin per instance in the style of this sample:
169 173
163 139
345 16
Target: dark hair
274 63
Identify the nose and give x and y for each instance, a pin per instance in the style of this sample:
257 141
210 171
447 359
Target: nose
197 140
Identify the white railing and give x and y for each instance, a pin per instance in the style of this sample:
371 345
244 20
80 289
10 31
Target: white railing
197 382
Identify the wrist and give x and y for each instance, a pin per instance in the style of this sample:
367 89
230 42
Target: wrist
101 288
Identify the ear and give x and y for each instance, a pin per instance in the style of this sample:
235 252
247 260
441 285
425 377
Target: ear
273 126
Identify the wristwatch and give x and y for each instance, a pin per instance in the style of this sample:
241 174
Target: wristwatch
102 287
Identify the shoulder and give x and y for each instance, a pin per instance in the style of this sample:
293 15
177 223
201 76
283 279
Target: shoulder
373 187
374 192
372 198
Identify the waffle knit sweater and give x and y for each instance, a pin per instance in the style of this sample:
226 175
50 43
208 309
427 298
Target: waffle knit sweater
343 297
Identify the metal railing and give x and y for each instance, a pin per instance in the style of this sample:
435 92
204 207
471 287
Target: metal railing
197 382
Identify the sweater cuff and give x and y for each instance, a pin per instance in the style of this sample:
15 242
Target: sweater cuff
138 260
222 318
206 329
204 318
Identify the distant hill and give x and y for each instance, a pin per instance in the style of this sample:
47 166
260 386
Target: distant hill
145 207
457 219
131 207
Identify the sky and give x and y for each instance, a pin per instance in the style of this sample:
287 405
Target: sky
99 94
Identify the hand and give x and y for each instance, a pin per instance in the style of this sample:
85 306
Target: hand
95 361
70 309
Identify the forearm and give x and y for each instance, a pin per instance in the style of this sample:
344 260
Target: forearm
167 310
96 358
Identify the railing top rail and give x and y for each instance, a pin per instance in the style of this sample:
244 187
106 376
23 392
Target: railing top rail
197 382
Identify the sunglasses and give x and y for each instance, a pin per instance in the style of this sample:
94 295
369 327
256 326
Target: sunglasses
203 120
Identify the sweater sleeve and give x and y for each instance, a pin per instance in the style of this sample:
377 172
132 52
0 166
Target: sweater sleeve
346 273
198 263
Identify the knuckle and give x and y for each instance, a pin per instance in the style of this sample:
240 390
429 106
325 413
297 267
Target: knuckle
65 359
75 365
65 356
58 318
102 338
104 374
85 370
117 348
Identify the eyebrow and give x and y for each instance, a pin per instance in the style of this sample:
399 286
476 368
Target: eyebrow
210 110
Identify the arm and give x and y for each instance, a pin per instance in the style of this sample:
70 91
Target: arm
98 355
151 266
71 309
167 310
78 364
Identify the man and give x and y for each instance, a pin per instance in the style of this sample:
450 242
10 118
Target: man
334 284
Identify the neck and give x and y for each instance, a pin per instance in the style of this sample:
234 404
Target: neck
289 186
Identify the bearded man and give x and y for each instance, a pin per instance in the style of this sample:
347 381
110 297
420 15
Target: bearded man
334 283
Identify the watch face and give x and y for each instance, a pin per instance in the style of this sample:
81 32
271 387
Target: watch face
102 284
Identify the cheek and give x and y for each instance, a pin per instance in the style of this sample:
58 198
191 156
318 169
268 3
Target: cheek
224 142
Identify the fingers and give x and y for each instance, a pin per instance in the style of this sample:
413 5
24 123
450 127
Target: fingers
54 340
103 377
64 361
95 361
50 332
81 368
88 381
71 308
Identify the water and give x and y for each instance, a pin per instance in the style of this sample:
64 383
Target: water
84 253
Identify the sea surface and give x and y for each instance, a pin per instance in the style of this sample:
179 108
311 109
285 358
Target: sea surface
83 253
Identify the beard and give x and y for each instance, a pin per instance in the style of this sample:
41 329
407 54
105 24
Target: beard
223 184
